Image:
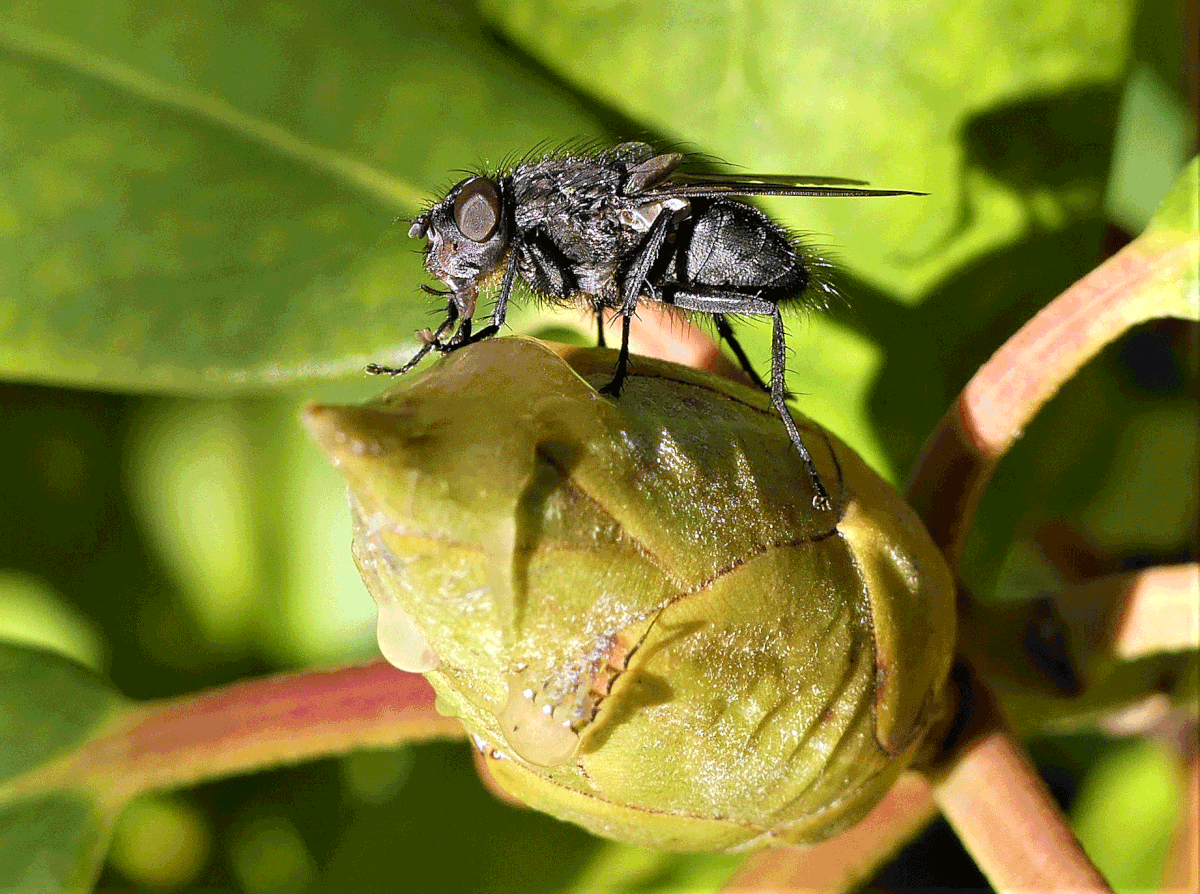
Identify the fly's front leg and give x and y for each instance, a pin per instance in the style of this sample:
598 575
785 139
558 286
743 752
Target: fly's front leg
432 341
464 335
717 302
635 278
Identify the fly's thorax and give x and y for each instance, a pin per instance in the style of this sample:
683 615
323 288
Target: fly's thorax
639 217
633 605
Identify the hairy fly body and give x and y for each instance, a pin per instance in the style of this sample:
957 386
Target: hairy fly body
610 229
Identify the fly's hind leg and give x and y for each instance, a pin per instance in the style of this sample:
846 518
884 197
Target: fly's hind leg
820 498
613 388
725 331
718 303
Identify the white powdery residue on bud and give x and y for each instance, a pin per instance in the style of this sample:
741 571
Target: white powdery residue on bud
401 642
474 601
377 522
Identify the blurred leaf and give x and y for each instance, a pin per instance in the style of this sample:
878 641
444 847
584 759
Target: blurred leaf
1155 135
192 485
251 523
52 836
33 614
1124 813
1171 245
444 832
50 704
161 840
624 868
269 857
198 196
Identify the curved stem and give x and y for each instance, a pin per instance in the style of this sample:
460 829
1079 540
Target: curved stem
247 727
1160 610
1001 811
960 456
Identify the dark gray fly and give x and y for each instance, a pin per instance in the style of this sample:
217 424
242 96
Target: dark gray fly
610 229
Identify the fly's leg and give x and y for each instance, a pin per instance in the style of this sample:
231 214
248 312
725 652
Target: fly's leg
779 399
718 302
613 388
598 309
635 278
431 343
464 335
725 331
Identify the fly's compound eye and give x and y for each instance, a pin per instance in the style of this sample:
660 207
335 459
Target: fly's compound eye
477 209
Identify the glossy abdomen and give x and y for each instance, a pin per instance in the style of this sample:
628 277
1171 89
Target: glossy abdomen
732 246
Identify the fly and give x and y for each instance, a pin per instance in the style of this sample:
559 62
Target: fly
606 230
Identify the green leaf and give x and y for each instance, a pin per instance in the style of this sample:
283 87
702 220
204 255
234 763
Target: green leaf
1172 245
52 843
52 836
1124 811
198 197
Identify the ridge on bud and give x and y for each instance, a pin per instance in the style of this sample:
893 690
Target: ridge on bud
633 602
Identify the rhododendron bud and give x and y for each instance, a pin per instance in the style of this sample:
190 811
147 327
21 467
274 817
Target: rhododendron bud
633 605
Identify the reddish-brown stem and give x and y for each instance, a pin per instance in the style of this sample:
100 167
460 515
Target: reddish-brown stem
989 792
844 862
1127 616
1008 391
1160 612
250 726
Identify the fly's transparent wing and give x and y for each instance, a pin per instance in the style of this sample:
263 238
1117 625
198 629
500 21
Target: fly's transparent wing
704 185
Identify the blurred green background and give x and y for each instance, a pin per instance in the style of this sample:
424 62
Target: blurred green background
204 211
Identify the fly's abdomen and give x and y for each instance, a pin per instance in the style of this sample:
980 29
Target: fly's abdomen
733 246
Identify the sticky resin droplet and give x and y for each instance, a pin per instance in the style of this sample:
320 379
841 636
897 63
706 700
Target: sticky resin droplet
401 642
538 729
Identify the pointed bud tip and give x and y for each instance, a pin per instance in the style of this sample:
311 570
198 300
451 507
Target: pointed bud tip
353 431
333 429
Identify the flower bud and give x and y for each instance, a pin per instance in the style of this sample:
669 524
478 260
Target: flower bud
633 604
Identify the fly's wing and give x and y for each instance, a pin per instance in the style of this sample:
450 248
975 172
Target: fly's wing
710 185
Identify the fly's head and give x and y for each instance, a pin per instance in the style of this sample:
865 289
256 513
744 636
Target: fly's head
468 235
